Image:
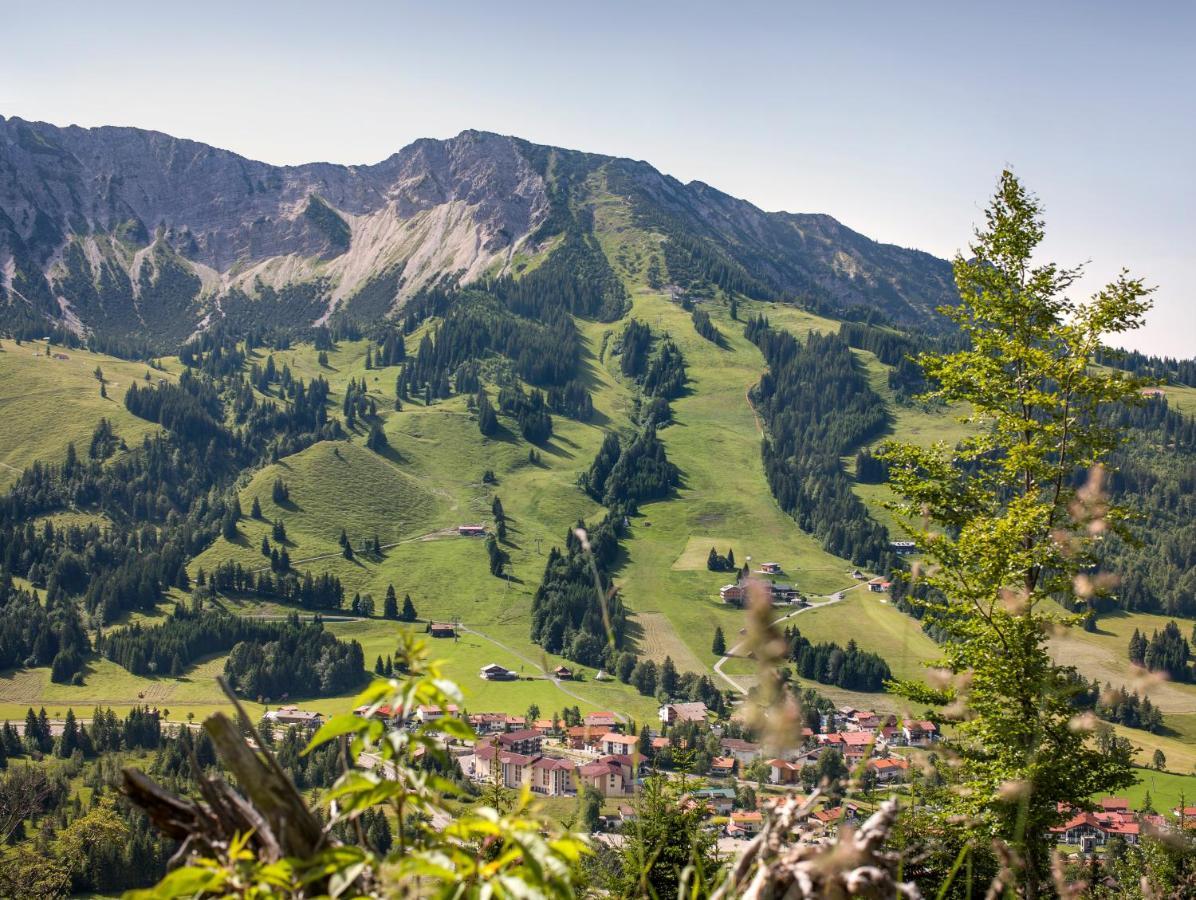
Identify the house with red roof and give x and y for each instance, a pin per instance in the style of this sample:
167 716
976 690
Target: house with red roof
745 823
553 776
722 766
890 770
611 776
613 743
919 734
526 740
781 771
605 720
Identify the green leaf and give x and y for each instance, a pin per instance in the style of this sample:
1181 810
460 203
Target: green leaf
346 723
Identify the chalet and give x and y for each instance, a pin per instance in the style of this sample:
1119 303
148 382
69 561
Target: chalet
832 817
903 547
783 592
878 585
471 530
672 713
771 568
627 814
385 712
613 743
855 746
864 721
890 770
488 723
583 737
722 766
611 776
659 743
432 713
1153 392
607 720
442 630
781 771
1089 830
744 751
746 822
553 777
515 723
293 715
562 673
857 575
528 741
495 672
919 734
543 726
732 594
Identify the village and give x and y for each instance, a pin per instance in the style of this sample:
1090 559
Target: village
737 783
727 772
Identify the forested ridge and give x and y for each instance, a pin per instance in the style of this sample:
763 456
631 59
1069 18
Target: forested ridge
818 406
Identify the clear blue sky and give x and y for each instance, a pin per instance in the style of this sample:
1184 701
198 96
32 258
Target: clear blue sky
894 117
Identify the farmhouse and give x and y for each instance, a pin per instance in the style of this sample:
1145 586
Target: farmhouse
744 751
562 673
919 734
781 771
890 770
442 630
770 568
879 585
471 530
607 720
293 715
672 713
584 737
495 672
731 594
722 766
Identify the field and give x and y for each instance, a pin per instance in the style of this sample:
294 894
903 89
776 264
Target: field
47 402
429 480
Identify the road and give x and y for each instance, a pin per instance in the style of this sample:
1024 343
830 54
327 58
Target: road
830 601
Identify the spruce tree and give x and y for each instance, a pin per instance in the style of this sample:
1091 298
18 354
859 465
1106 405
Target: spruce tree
719 645
408 613
390 606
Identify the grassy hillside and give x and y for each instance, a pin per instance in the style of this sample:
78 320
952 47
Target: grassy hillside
48 401
429 480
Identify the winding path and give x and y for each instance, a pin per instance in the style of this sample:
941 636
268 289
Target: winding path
831 601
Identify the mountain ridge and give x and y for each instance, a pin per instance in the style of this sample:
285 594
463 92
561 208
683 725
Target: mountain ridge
115 228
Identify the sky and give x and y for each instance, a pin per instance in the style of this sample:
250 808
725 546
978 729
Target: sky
896 118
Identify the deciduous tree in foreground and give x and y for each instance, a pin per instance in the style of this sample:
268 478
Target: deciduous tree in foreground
1009 527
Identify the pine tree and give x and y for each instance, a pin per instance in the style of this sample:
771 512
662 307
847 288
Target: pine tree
668 676
719 645
265 546
390 606
408 613
255 511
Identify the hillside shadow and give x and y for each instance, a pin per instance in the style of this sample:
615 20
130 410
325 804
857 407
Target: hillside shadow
555 449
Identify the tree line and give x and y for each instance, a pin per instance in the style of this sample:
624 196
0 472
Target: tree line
818 406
